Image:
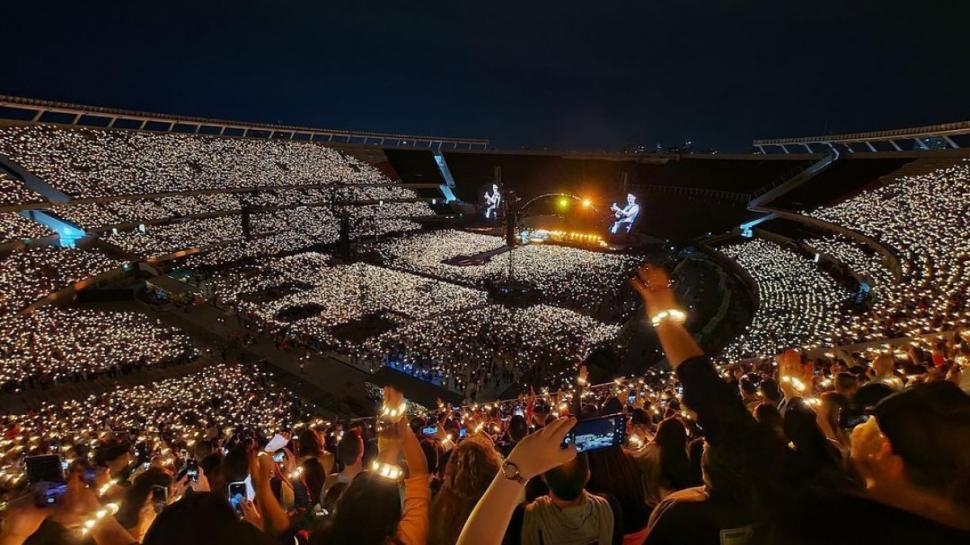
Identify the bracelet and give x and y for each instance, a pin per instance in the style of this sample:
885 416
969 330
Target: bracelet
394 412
107 510
388 471
674 314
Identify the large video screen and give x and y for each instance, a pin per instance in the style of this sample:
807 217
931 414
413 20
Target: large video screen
625 214
491 201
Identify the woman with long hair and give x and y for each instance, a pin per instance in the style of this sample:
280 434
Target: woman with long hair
469 471
664 462
614 471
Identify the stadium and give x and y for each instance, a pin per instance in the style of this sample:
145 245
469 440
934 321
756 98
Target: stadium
234 331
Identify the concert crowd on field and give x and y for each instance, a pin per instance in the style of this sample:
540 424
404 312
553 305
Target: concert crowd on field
443 332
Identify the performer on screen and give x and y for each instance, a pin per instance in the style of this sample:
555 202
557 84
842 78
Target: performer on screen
625 216
492 202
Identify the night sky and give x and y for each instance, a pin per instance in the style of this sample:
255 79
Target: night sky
590 75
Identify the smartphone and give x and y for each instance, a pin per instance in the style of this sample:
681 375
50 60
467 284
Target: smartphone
462 432
430 430
192 469
518 411
631 399
279 456
159 497
237 493
850 421
47 469
597 433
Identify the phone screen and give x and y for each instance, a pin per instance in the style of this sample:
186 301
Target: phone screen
430 430
596 433
192 469
278 456
48 469
237 493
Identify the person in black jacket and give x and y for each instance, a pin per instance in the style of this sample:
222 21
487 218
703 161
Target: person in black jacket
913 453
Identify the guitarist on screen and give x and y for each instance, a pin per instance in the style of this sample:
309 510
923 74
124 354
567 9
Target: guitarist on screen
625 216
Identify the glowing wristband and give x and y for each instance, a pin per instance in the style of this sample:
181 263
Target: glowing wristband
388 471
109 509
670 314
393 413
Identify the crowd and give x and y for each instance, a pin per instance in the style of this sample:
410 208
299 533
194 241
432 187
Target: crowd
564 276
924 220
318 221
53 345
798 303
344 294
90 162
859 448
440 331
32 273
156 240
485 349
257 247
13 192
859 258
13 226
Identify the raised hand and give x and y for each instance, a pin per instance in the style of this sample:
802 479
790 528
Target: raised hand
541 451
794 377
653 285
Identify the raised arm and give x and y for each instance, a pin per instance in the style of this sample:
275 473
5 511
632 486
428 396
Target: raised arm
720 411
535 454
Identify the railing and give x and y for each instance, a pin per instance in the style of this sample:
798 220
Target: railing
149 121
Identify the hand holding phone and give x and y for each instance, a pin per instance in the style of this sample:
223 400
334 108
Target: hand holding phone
597 433
192 469
47 473
237 494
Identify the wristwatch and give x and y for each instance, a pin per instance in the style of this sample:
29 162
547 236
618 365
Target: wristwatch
511 472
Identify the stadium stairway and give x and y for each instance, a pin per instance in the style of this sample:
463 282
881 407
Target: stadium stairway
797 180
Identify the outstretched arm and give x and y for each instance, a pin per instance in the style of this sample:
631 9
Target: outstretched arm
535 454
720 411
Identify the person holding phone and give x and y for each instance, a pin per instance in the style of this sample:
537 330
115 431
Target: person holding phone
148 494
371 510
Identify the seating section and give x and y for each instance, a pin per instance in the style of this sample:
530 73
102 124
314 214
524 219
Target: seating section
30 274
159 240
799 305
13 226
55 345
86 163
13 192
175 409
859 258
924 219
